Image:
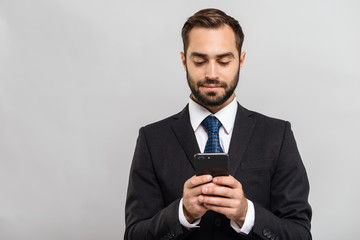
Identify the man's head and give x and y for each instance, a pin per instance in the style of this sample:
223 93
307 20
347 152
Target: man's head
212 58
212 18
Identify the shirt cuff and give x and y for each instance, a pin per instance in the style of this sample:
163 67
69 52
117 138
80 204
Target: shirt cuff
183 220
249 220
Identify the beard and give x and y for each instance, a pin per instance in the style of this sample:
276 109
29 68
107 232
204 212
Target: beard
212 98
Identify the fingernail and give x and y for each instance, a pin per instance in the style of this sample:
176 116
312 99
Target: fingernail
205 189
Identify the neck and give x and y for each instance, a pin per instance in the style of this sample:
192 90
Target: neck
215 109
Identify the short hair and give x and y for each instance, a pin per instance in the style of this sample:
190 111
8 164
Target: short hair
212 18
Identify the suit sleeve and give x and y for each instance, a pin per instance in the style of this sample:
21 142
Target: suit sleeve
146 215
289 215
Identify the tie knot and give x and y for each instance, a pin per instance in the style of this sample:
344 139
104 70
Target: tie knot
211 124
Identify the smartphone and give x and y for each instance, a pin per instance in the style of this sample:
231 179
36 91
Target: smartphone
215 164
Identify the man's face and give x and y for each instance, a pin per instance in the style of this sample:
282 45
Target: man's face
212 65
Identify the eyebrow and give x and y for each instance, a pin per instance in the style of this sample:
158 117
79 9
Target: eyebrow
202 55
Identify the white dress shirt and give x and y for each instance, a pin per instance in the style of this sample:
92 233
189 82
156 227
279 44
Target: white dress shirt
227 118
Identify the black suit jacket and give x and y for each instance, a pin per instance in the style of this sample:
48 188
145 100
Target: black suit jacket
263 157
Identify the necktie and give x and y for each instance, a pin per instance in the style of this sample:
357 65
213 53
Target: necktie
212 126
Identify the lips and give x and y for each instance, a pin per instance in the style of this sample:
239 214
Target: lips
210 86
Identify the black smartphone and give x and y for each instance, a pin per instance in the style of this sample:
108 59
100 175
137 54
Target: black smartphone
215 164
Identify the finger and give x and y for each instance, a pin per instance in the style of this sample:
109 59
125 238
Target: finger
219 209
228 181
195 191
219 201
191 192
217 190
197 180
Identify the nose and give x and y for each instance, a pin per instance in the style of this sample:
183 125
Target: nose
211 71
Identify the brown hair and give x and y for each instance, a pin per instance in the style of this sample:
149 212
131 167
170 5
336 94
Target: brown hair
212 18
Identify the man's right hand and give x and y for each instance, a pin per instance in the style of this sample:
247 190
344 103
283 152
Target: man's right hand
193 209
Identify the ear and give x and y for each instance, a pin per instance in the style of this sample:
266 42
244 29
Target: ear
242 59
183 60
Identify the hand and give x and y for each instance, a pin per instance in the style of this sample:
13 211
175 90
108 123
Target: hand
193 209
225 196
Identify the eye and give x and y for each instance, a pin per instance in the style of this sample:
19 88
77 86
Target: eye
224 63
198 63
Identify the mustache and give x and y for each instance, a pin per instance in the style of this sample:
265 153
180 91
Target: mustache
212 81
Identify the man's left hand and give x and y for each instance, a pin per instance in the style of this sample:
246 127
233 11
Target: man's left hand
225 196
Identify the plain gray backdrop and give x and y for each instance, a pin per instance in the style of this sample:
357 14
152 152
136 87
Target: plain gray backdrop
79 78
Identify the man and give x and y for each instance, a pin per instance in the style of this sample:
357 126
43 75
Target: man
265 195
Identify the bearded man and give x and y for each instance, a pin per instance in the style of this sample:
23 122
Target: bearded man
265 195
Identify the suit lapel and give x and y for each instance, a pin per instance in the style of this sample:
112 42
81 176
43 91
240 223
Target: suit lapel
243 128
185 134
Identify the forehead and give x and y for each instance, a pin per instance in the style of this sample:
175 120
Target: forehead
212 41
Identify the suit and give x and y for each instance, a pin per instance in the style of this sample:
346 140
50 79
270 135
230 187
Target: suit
263 158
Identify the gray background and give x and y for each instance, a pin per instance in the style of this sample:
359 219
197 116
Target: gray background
79 78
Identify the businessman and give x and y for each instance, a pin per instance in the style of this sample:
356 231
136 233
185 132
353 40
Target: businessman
265 195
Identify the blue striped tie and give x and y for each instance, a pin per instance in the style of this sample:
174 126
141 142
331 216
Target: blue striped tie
212 126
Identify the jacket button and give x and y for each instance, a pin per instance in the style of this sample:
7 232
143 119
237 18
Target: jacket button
274 237
267 233
217 222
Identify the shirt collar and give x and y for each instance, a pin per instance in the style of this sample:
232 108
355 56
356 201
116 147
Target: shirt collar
226 115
